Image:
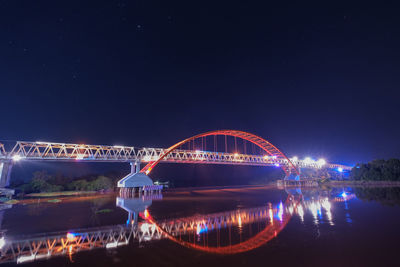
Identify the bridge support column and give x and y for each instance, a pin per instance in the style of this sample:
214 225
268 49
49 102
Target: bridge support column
5 173
135 178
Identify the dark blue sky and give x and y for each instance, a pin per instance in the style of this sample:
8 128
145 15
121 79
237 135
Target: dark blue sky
314 79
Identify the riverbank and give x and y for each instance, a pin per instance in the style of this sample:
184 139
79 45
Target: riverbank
203 188
363 183
56 197
61 193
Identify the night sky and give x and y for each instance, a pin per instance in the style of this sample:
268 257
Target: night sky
318 80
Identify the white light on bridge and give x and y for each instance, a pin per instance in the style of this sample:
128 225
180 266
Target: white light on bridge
308 160
118 146
41 143
16 158
2 242
295 158
321 162
236 154
340 169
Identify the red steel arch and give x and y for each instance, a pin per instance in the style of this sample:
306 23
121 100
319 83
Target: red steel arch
258 141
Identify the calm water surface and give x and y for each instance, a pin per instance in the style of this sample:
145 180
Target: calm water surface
213 227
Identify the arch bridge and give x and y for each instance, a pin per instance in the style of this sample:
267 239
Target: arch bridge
229 147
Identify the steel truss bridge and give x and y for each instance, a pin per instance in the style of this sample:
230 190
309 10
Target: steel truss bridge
103 153
48 245
216 147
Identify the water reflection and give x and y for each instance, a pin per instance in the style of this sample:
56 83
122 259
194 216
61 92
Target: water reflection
227 232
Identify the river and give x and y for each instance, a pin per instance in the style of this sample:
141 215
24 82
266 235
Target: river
250 226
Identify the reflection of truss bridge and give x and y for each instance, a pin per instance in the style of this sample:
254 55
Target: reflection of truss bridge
215 220
45 246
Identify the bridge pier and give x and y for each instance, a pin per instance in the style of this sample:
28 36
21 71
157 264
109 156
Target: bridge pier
136 180
5 173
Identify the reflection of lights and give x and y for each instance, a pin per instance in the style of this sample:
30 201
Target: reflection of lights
265 157
240 221
327 206
271 215
70 253
344 195
146 213
319 212
314 210
291 210
340 169
2 242
115 244
112 244
280 211
146 227
16 158
300 211
198 228
22 259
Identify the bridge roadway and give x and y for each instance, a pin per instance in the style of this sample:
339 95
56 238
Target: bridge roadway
43 246
103 153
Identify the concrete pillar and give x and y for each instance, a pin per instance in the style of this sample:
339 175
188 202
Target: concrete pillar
5 173
135 166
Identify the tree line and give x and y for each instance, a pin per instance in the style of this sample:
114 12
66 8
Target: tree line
45 182
377 170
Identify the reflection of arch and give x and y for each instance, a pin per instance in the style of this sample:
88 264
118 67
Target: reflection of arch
258 141
268 233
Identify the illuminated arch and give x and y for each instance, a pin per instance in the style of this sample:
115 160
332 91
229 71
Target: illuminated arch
269 148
